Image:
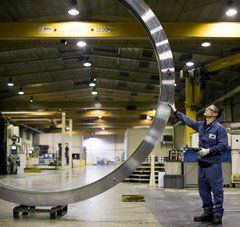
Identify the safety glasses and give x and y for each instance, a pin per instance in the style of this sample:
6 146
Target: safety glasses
211 108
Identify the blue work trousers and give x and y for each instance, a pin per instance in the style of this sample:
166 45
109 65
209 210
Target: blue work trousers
210 181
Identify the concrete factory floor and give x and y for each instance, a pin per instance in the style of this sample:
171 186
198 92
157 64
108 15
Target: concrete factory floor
163 207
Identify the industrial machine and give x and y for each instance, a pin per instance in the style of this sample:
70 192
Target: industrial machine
13 157
235 144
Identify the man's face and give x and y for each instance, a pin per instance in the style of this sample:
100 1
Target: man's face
211 111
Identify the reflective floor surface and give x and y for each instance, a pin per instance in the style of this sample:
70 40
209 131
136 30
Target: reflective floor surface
54 180
105 210
163 207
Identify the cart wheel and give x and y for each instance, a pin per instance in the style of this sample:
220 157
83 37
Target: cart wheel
52 216
15 215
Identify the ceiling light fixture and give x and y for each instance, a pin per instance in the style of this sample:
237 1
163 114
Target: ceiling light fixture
92 82
206 44
87 64
73 11
10 83
94 92
189 61
31 99
103 128
100 117
21 92
81 43
190 64
231 11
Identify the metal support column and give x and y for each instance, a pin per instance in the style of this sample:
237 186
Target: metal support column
152 182
63 139
70 142
193 100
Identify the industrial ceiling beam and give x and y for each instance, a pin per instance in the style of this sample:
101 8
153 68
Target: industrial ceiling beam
15 45
47 71
80 114
109 121
229 95
11 106
39 82
109 113
93 123
178 45
211 66
74 57
222 63
87 90
94 131
116 30
79 67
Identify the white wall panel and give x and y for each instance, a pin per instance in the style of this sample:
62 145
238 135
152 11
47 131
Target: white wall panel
53 139
134 137
103 147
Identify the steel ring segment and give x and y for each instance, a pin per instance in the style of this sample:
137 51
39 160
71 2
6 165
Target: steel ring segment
167 81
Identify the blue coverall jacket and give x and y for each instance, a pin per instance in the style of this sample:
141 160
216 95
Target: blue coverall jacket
213 137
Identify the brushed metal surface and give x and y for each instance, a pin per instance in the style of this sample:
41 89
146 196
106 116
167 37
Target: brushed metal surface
164 56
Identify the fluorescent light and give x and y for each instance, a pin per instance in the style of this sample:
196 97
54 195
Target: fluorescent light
103 128
231 12
94 93
81 44
10 83
87 64
73 12
67 128
206 44
21 92
31 99
190 64
92 84
100 117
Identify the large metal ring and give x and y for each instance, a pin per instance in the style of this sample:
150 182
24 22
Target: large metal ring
167 86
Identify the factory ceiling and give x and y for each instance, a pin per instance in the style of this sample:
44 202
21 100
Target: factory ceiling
51 72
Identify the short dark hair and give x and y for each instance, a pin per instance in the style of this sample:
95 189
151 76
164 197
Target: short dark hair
219 109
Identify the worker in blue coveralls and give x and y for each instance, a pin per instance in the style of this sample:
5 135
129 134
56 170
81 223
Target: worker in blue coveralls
212 141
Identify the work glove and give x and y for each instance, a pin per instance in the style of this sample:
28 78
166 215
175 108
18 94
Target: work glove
204 152
173 107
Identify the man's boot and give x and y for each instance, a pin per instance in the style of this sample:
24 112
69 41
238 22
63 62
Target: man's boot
204 218
217 220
